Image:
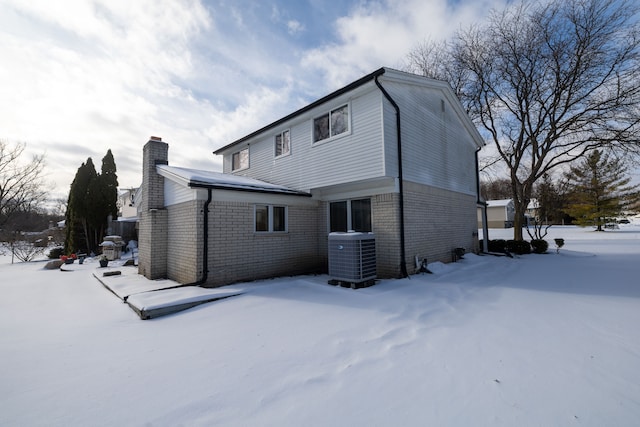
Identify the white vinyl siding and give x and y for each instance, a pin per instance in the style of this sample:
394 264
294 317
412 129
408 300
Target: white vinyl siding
175 193
352 157
436 148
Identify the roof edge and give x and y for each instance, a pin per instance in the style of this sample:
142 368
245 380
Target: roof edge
194 184
302 110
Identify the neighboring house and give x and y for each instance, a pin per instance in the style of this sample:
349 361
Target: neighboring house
127 203
500 214
391 153
531 214
125 225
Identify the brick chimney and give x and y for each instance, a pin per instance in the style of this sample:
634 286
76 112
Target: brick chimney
152 232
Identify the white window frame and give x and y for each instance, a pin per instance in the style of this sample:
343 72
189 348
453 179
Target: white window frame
328 114
270 218
275 143
239 153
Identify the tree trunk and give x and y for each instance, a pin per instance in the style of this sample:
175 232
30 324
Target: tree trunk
518 218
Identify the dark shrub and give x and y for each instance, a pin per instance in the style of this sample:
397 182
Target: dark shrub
55 253
497 245
539 246
519 247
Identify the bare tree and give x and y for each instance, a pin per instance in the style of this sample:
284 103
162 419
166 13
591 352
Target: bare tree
548 83
23 246
22 186
496 189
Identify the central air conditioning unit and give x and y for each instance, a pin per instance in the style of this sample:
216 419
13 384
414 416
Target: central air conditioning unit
352 259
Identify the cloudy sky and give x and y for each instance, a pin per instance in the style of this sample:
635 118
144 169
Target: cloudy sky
82 76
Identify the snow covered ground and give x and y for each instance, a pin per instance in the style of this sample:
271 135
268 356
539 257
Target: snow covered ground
538 340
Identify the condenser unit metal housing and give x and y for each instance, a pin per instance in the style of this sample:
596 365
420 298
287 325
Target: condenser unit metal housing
352 259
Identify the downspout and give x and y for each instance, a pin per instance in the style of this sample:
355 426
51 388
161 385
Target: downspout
483 209
205 243
403 263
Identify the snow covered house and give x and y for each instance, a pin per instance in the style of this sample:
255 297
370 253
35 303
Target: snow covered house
391 153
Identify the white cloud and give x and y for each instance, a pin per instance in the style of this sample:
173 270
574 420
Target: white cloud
294 27
95 75
99 74
381 33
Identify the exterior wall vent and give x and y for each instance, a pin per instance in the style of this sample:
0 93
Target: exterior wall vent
352 259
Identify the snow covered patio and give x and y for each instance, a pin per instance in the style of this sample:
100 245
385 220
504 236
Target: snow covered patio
155 298
537 340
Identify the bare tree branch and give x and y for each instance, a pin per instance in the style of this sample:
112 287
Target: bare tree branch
22 185
548 82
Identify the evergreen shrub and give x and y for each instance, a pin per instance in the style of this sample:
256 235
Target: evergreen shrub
519 247
56 253
497 245
539 246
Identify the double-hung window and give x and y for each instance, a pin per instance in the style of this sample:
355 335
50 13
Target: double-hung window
283 143
331 124
350 215
240 160
270 219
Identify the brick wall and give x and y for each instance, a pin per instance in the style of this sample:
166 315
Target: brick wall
153 227
152 244
322 228
438 221
237 253
386 227
185 235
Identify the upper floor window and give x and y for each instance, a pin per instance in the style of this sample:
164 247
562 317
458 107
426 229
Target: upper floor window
240 160
333 123
270 218
283 143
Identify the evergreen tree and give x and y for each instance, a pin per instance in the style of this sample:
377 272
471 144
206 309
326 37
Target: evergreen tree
110 184
599 190
92 198
78 209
